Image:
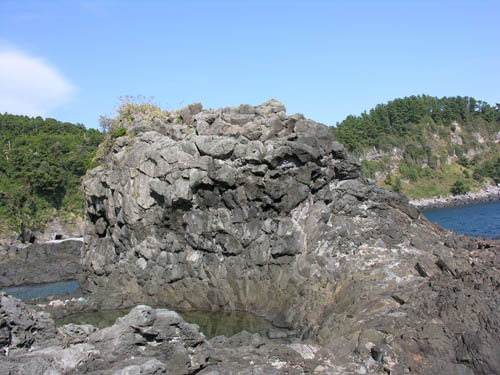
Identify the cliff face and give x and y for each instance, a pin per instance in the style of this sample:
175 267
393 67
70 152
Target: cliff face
246 208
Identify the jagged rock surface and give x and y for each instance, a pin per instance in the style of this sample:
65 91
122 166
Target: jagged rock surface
147 341
246 208
21 327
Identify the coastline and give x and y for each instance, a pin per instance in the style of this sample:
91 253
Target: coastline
488 194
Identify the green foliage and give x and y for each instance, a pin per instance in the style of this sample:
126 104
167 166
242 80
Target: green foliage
432 160
120 132
41 166
459 151
429 133
488 168
410 171
459 187
393 183
397 187
463 161
388 125
370 167
436 182
388 179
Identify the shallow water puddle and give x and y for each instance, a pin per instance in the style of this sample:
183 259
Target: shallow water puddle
211 323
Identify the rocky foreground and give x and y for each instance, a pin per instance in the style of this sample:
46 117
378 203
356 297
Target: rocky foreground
147 341
246 208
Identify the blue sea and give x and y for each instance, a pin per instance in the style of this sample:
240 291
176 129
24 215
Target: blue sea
481 219
39 291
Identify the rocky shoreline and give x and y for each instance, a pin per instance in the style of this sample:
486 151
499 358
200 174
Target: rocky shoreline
250 209
488 194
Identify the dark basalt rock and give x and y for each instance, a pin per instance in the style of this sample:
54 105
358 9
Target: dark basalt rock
246 208
23 328
40 263
148 342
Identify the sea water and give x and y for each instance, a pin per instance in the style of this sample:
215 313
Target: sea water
59 288
481 219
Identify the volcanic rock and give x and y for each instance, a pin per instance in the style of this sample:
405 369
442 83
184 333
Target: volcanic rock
150 342
246 208
40 262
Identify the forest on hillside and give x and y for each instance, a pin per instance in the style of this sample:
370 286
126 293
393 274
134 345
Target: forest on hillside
41 165
434 145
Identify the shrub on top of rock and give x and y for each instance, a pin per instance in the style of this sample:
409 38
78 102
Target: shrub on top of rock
133 112
133 109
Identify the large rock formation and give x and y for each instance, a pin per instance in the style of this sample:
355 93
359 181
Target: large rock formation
246 208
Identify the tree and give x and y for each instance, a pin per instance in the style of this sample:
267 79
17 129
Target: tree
459 187
105 123
45 161
388 179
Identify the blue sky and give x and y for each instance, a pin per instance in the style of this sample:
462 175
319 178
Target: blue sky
72 60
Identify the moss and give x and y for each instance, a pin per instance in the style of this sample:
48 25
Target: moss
120 132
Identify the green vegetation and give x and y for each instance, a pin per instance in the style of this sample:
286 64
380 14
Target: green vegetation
43 161
41 166
426 145
488 168
459 187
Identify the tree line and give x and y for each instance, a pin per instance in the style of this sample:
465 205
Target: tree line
387 124
41 164
427 131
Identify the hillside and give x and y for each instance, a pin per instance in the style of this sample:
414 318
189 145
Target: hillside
41 165
425 146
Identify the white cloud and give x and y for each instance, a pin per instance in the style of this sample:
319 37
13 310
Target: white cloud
29 85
